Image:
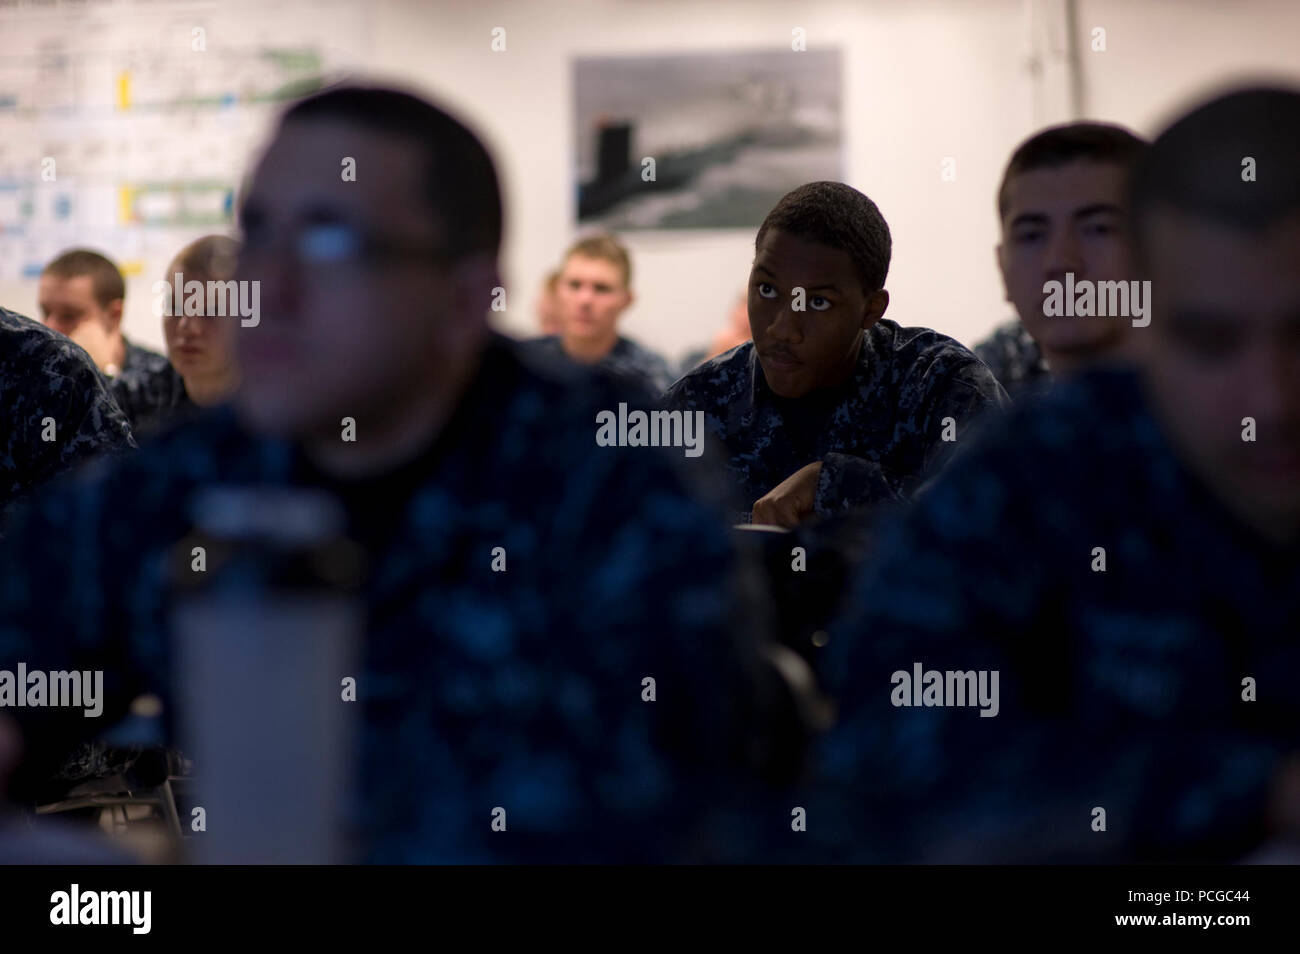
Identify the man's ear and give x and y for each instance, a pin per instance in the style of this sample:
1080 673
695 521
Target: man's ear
874 308
1002 270
476 279
113 315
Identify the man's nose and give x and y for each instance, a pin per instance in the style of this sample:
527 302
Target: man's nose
1063 254
281 281
785 326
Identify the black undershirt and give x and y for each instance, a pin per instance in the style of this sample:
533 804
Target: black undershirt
806 419
375 505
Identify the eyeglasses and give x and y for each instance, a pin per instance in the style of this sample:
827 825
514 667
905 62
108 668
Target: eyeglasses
333 245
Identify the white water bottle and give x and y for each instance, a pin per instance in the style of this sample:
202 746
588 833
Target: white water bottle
267 632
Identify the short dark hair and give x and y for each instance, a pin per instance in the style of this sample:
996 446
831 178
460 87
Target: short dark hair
105 279
1058 145
1196 165
462 188
834 214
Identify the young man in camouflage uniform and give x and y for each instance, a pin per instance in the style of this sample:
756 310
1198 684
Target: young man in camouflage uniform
592 290
81 295
1015 359
1061 208
831 406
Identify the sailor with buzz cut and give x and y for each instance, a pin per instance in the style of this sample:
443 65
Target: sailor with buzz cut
592 291
82 295
831 407
1063 216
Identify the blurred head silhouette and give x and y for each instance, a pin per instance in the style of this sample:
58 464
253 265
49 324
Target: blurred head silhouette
373 222
1216 208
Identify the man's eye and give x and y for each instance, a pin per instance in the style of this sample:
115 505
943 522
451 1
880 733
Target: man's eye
252 223
825 303
1102 228
1028 238
253 237
328 244
766 291
1291 334
1217 351
1208 344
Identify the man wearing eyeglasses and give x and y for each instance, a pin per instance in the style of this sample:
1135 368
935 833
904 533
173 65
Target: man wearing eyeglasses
549 662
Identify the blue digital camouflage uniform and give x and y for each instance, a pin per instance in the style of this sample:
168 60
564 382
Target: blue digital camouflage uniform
1015 360
878 435
147 389
1120 688
44 375
692 360
627 360
520 689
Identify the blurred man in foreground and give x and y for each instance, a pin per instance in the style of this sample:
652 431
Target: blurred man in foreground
548 670
1119 565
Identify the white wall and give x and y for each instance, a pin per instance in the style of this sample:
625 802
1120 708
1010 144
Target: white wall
926 79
